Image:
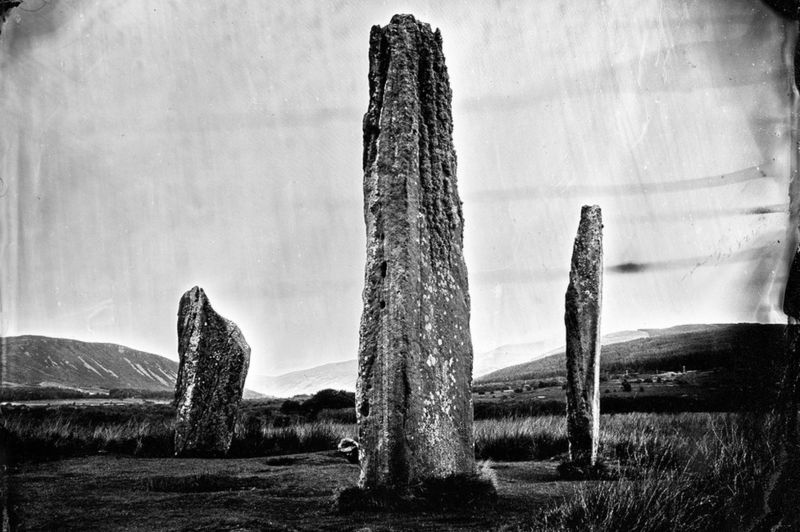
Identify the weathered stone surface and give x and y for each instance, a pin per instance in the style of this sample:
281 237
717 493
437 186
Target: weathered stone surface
214 357
582 319
414 404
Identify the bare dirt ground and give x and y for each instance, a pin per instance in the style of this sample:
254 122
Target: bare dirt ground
280 493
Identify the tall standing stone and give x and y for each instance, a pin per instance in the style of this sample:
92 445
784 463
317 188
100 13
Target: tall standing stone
582 319
414 403
214 357
790 387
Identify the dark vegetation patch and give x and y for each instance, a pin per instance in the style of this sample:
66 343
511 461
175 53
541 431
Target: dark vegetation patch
682 400
133 393
38 393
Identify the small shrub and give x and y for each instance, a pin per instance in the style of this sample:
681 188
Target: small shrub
328 399
290 406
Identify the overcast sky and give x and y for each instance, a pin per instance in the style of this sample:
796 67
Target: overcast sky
148 146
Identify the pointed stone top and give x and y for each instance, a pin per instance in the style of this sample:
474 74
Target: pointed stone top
403 18
590 210
590 226
195 292
193 296
409 20
195 303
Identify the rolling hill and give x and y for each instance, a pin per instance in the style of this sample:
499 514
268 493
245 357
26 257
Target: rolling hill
92 367
342 375
336 375
737 345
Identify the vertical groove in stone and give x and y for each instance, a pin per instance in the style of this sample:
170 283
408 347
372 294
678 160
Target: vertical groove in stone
414 403
582 320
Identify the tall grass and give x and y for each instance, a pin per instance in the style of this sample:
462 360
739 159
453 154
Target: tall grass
709 481
530 438
264 440
61 433
60 436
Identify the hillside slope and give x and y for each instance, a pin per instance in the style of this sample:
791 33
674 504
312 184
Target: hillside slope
694 346
337 375
61 362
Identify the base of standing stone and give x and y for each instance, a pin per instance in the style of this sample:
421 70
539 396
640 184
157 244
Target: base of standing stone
454 492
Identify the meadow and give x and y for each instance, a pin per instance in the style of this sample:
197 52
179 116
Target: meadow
674 471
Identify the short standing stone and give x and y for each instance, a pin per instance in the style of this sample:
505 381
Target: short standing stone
582 319
414 404
214 357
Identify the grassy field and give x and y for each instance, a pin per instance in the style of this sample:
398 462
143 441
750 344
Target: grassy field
148 431
692 390
686 438
687 471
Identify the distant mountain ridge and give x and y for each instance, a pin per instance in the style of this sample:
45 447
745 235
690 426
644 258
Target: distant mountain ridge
336 375
702 346
98 367
94 367
342 375
505 355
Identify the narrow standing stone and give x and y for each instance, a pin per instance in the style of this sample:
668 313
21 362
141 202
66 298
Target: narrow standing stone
414 402
790 387
214 357
582 318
